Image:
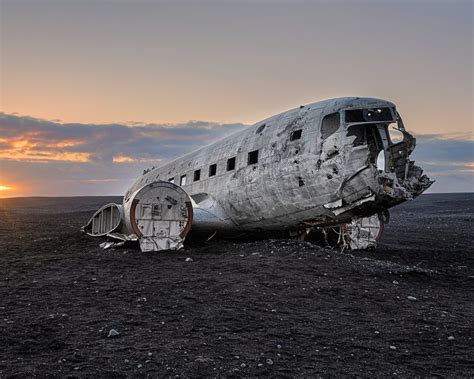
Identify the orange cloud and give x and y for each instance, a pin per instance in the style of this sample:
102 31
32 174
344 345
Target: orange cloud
43 155
463 164
22 148
451 172
64 144
26 139
127 159
31 147
22 144
122 159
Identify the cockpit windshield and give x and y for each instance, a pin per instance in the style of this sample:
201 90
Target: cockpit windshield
369 115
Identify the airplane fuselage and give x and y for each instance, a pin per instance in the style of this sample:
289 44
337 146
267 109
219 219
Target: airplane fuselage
330 163
314 165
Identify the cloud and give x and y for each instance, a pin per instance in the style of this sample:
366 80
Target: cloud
31 139
447 160
41 157
436 147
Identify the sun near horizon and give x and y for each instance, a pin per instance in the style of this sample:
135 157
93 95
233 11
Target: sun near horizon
6 191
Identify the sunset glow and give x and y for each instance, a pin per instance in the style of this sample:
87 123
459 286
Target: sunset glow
122 159
93 93
128 159
7 191
43 156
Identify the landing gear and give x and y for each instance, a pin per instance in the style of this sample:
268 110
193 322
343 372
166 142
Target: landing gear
361 233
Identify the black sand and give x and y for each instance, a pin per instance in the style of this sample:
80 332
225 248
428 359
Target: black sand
269 308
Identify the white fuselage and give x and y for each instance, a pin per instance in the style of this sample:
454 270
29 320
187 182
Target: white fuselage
302 176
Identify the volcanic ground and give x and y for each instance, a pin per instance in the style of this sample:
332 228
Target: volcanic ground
281 308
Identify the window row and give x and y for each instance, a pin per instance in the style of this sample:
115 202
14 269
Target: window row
252 158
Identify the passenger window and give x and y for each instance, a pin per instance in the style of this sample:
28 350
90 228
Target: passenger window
252 157
330 124
296 134
212 169
197 175
171 180
230 164
182 181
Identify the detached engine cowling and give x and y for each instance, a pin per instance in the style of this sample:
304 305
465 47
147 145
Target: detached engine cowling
159 214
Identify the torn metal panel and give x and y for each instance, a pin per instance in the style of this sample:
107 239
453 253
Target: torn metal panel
323 164
107 219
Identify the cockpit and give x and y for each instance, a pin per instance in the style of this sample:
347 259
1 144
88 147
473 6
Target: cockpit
368 115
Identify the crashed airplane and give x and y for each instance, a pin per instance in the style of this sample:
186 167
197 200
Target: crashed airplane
334 166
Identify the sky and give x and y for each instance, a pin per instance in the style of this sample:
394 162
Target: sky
94 92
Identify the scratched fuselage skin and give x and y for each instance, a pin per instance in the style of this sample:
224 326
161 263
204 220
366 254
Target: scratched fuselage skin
297 183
